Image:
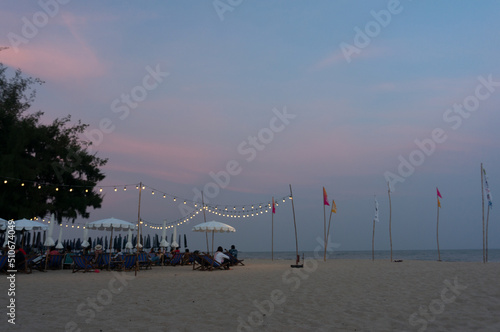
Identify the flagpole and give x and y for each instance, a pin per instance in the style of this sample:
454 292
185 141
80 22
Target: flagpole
205 219
272 231
437 231
482 204
390 215
487 222
138 223
328 232
373 241
296 239
324 229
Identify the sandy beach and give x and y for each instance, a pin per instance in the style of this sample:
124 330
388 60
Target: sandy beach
263 295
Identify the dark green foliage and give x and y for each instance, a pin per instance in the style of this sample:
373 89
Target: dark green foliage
53 162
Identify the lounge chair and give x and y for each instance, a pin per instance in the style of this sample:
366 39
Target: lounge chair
36 262
128 263
68 261
81 263
55 262
144 261
210 264
3 262
176 259
234 261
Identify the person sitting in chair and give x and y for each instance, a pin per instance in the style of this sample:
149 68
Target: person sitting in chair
233 251
221 257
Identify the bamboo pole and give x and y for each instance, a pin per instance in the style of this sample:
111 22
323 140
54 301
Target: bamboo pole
437 231
272 231
295 226
482 204
324 229
373 241
390 216
328 232
205 220
487 222
110 247
138 224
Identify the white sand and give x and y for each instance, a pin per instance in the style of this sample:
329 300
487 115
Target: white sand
337 295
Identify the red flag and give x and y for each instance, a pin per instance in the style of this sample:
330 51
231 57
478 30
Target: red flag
325 197
438 193
274 208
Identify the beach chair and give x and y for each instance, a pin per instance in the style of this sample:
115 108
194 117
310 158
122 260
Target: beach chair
36 262
68 261
55 262
3 263
82 264
210 264
176 259
144 261
128 263
234 261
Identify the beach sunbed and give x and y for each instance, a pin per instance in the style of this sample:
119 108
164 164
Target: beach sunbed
128 263
144 261
207 263
36 262
234 261
55 262
176 259
3 262
82 264
68 261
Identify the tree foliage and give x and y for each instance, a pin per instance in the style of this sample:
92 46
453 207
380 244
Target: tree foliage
44 168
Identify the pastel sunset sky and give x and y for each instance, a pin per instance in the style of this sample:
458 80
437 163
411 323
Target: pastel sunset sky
342 94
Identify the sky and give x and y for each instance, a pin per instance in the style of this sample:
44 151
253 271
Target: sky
240 99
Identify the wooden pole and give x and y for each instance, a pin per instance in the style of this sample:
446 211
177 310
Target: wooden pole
295 226
110 248
138 234
324 230
272 231
328 232
390 216
373 241
482 204
437 231
205 220
487 222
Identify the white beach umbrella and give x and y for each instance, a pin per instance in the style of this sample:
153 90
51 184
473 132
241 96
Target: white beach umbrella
164 242
214 227
59 241
111 224
30 225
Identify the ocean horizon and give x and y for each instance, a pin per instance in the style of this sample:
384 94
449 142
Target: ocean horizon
448 255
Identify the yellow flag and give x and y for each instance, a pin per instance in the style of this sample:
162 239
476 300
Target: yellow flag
334 206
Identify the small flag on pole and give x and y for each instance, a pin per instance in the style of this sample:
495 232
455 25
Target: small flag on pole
334 206
274 206
375 218
325 197
438 196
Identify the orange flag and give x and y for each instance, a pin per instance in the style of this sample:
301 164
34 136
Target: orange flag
334 206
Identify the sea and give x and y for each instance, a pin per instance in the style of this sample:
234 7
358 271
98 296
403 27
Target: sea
457 255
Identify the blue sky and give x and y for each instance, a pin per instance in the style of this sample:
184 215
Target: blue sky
350 119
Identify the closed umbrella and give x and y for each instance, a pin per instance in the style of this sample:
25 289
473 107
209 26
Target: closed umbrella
59 241
174 244
85 242
49 241
129 244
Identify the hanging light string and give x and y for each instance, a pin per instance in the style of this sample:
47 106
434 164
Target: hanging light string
221 210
